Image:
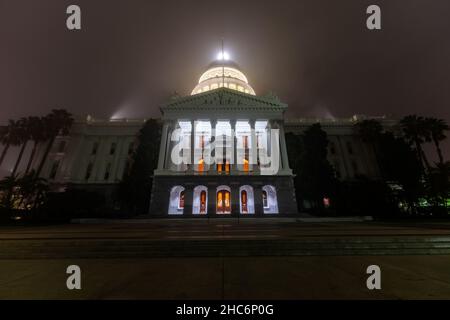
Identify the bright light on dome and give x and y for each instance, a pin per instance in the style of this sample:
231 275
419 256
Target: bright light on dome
223 56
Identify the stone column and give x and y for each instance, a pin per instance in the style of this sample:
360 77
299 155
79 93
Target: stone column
235 200
253 152
233 167
268 138
283 149
188 199
191 168
212 167
211 200
167 164
163 146
257 194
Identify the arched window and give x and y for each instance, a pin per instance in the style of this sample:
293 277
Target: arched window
247 202
223 200
200 200
244 204
270 201
181 200
265 202
203 201
176 200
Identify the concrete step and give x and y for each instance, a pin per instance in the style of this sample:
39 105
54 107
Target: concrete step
129 248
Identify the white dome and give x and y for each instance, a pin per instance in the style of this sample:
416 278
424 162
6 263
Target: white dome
213 78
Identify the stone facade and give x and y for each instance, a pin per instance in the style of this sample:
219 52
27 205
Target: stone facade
96 153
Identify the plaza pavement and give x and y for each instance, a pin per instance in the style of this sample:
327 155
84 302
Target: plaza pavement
33 260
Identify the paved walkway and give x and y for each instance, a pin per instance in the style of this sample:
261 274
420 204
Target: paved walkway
231 277
225 229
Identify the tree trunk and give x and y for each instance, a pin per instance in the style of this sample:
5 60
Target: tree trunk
30 160
44 158
379 165
5 150
19 158
439 151
422 158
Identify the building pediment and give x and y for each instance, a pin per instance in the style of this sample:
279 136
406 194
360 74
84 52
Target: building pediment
224 99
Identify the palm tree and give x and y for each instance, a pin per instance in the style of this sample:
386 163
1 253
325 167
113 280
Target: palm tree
8 138
437 128
7 187
36 131
22 135
416 133
57 122
31 189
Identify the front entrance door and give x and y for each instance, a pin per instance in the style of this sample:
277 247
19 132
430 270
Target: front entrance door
223 202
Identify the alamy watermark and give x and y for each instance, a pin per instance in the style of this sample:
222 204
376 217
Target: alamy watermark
219 149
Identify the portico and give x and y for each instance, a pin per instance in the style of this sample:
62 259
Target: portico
223 152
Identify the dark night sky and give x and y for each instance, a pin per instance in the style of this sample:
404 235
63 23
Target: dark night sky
318 56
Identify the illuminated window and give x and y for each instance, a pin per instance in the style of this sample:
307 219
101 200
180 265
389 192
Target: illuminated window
203 201
205 88
223 200
270 202
214 86
232 86
244 204
246 166
201 165
224 166
240 88
181 200
246 153
176 200
264 198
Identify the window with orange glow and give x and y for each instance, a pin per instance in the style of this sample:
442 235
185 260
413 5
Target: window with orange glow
203 201
246 167
201 165
246 152
181 201
227 201
201 162
223 201
244 201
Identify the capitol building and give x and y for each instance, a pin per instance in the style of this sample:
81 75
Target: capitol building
222 151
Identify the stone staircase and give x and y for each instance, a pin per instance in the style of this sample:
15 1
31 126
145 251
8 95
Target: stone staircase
145 248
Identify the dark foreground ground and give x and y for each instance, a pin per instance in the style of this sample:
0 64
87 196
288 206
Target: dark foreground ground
224 259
